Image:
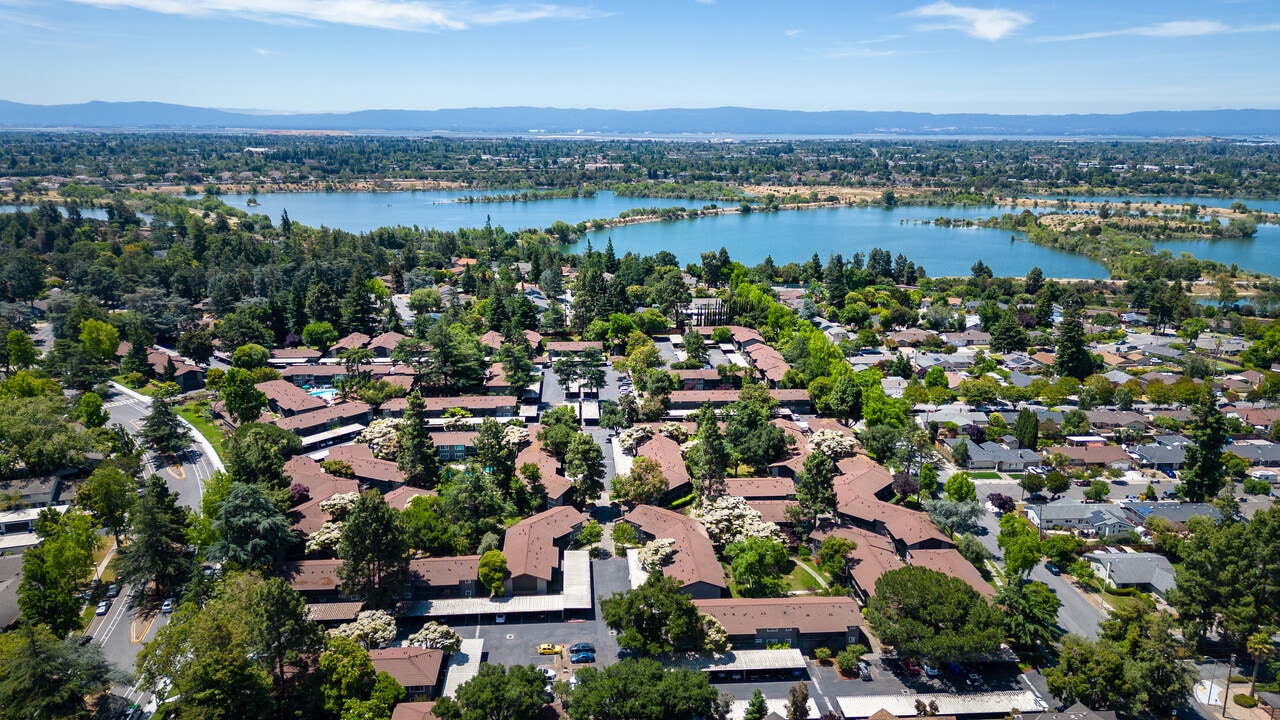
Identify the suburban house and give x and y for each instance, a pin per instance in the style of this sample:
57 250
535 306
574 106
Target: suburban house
418 670
328 418
1102 520
994 456
694 563
1112 456
1147 572
383 344
455 444
1176 513
281 357
315 580
684 402
968 338
554 483
1165 458
557 349
533 547
801 622
188 377
350 342
368 469
699 379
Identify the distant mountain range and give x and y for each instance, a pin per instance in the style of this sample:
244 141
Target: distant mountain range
722 121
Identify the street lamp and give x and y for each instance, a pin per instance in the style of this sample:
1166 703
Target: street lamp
1226 691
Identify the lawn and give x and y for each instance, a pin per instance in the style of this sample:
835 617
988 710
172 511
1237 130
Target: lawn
196 412
795 577
985 475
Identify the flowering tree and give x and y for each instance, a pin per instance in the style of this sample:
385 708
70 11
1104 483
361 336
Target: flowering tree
435 635
371 628
655 554
831 443
383 437
729 519
325 540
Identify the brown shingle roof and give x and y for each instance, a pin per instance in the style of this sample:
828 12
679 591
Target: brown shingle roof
340 412
861 475
466 402
873 557
666 452
365 465
311 575
553 481
444 571
387 341
403 495
744 616
411 666
289 397
695 557
414 711
761 488
570 346
724 397
350 342
530 544
774 511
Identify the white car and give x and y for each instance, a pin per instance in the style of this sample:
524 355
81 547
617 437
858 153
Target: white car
549 673
499 618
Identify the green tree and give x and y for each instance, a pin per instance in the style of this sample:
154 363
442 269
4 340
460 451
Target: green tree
502 693
1007 335
815 487
108 493
1020 542
1073 358
99 340
645 484
252 532
244 401
417 457
1056 482
923 613
1097 491
346 674
90 411
1031 483
960 454
1091 672
196 345
158 526
250 357
749 436
320 335
928 480
584 465
475 506
255 454
374 549
640 689
22 352
756 707
47 594
429 528
757 566
1202 473
1260 647
1030 613
655 618
163 430
833 555
280 633
493 571
960 488
35 433
43 678
496 455
1027 429
517 367
709 458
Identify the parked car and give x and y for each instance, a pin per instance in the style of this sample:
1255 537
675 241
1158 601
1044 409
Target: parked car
168 605
582 647
548 649
103 607
499 618
113 590
1053 569
583 657
974 680
864 669
549 674
913 667
929 670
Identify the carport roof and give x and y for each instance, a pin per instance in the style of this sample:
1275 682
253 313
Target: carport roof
786 659
968 704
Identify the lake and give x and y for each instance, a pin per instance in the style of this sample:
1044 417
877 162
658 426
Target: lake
1261 253
365 211
95 213
795 235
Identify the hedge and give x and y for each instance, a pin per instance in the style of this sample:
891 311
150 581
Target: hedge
1245 700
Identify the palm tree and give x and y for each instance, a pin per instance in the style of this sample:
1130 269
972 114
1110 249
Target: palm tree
1260 647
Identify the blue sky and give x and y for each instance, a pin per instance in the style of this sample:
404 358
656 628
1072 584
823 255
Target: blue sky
1057 56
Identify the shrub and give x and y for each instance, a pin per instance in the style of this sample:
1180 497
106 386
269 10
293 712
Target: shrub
847 659
822 654
1245 700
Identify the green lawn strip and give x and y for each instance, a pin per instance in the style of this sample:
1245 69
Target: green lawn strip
196 413
799 579
814 568
986 475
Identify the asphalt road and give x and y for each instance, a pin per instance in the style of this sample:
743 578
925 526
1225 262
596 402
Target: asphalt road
186 478
1077 614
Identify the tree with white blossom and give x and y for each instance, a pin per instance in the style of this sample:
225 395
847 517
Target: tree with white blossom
371 628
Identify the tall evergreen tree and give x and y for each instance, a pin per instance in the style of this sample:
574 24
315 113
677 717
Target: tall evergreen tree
1027 429
1074 359
815 490
710 455
1008 335
158 527
1203 475
162 429
374 550
417 457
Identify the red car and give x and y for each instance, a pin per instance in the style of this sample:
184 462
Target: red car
913 667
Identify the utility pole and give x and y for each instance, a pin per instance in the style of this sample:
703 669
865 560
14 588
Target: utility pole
1226 691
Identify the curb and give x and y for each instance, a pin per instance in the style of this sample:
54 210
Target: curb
205 446
131 393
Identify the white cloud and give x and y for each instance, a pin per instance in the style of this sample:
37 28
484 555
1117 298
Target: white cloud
265 52
1170 29
385 14
792 33
981 23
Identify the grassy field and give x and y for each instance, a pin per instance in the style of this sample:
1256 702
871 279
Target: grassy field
795 577
985 475
196 412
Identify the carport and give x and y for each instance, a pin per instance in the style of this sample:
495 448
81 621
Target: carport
749 665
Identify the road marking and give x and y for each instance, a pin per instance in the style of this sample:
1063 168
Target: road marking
135 424
133 627
120 403
177 472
